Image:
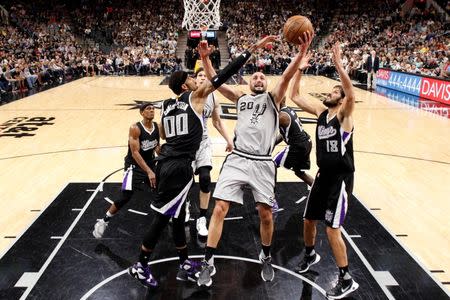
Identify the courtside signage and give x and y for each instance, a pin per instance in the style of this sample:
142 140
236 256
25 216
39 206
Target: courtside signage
425 87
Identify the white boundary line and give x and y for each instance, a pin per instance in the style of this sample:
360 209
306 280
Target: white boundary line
233 218
301 199
99 285
137 212
368 266
61 242
35 218
108 200
414 257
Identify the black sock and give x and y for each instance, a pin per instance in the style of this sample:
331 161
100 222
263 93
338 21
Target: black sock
107 216
309 250
209 253
144 257
343 273
203 212
182 254
266 250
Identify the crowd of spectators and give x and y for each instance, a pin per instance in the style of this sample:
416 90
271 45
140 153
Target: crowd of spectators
51 41
409 40
48 42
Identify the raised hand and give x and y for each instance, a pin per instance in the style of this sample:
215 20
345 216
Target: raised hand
263 42
203 49
305 41
337 54
304 63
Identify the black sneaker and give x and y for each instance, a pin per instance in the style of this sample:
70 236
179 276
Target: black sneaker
187 271
307 262
342 288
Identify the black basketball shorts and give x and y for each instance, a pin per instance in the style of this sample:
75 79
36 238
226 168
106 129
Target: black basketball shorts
174 177
328 198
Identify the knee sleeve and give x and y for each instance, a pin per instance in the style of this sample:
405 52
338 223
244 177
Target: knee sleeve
204 179
151 237
124 199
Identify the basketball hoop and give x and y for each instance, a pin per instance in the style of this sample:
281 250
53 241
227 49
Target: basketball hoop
199 14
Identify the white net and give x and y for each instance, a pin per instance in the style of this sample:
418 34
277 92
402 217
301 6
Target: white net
199 14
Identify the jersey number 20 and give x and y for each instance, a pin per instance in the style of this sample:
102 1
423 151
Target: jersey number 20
176 125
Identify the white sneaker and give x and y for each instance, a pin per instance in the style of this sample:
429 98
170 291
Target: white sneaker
201 227
99 228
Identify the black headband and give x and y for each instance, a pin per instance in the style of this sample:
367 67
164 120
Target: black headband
177 79
144 106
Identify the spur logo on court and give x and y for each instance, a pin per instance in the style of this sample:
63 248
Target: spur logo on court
23 126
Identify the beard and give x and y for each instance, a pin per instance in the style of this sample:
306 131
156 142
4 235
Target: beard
258 90
330 104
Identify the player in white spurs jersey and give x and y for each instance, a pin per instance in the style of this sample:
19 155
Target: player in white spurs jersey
250 163
203 158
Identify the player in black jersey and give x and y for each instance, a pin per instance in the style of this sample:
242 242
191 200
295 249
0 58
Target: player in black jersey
182 128
296 155
333 185
143 142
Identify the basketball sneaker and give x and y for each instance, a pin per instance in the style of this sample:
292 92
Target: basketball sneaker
143 274
275 207
187 271
267 272
205 274
307 262
342 288
201 227
99 228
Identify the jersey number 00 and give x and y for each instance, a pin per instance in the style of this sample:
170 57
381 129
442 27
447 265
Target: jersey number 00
176 125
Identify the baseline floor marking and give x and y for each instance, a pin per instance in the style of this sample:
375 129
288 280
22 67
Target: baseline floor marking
383 278
300 200
312 283
414 257
36 217
27 279
59 245
108 200
137 212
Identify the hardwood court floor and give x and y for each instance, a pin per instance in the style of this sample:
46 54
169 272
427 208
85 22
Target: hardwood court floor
402 156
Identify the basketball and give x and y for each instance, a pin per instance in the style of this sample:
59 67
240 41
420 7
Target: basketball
295 26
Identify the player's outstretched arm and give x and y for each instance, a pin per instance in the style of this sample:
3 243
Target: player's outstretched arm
280 89
229 92
231 69
312 107
346 110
